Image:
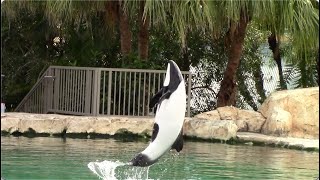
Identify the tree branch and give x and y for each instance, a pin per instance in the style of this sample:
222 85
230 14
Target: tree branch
204 87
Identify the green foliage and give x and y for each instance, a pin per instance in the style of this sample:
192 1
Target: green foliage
300 71
25 53
36 34
208 73
249 73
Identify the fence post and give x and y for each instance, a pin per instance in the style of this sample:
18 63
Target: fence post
87 104
189 93
98 81
109 92
48 95
96 92
56 87
47 83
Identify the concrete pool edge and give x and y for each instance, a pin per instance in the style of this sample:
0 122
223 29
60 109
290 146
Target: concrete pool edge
127 128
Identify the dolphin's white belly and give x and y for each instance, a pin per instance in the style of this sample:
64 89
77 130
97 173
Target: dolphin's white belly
170 118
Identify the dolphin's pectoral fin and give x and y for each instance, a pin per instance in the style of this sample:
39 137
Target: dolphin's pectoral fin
155 131
165 96
164 93
178 144
155 99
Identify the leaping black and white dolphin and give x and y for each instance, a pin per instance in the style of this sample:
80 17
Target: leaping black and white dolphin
167 130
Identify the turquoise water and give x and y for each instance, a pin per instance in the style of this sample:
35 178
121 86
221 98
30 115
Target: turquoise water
55 158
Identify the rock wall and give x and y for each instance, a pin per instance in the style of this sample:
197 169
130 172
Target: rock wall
290 113
54 124
129 127
293 113
246 121
213 130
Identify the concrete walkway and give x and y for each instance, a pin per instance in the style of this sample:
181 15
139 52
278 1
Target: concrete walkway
287 142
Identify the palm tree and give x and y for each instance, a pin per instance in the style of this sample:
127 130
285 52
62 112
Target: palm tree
115 12
125 31
143 36
62 13
298 18
318 66
275 38
234 45
231 17
274 45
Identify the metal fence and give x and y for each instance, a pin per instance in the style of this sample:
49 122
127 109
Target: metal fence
97 91
39 97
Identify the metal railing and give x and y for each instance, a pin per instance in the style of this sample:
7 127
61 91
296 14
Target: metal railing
39 97
97 91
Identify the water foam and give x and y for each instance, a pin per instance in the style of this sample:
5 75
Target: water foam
106 170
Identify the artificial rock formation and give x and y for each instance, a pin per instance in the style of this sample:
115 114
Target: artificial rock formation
246 121
54 124
279 123
293 113
290 113
211 130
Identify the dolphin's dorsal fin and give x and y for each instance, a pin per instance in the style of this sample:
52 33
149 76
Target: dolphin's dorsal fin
178 144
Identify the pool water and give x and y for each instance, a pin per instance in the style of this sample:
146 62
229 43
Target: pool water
56 158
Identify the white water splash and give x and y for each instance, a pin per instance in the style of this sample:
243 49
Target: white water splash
106 170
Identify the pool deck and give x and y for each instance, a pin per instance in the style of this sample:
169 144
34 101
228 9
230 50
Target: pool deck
285 142
31 125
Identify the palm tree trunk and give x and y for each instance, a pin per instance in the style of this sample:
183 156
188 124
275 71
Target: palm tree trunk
258 76
274 47
185 58
125 33
143 39
112 12
234 41
318 66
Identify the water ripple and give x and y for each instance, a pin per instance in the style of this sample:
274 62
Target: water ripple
55 158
